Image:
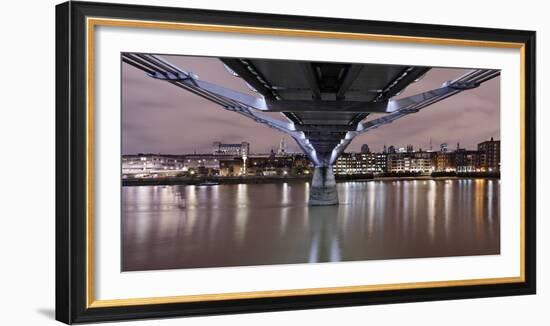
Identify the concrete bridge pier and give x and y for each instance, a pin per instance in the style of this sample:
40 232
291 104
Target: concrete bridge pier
323 187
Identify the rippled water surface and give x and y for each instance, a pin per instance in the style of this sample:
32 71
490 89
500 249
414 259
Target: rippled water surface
165 227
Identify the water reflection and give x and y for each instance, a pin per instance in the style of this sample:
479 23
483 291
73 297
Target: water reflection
167 227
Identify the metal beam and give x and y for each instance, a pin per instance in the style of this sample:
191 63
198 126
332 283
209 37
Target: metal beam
351 75
325 106
329 128
248 73
322 121
311 78
407 76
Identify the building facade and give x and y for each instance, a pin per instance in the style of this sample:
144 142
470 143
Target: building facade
242 149
231 167
467 161
351 163
445 161
360 163
417 162
489 155
150 164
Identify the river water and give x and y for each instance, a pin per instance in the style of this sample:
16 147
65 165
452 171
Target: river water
167 227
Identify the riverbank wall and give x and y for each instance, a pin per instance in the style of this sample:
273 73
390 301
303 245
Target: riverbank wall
303 178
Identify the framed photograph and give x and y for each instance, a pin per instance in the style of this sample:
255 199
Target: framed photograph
215 162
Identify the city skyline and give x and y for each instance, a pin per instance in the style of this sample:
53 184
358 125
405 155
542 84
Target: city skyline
436 146
161 118
230 160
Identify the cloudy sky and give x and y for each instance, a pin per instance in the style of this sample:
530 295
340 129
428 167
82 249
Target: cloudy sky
158 117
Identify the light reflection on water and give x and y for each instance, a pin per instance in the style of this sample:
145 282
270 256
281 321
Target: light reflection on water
166 227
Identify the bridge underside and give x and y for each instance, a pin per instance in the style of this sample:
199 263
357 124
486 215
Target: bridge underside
326 105
324 100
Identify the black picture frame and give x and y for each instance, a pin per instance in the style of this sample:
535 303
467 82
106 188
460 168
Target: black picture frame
71 157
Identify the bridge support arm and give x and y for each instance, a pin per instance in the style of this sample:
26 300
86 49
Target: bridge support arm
230 100
415 103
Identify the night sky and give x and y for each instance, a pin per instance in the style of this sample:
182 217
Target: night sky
158 117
